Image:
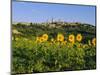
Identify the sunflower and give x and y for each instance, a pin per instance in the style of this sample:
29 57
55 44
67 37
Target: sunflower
45 37
60 37
94 41
41 39
79 37
72 38
37 39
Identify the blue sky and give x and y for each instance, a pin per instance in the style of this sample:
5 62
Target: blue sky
41 12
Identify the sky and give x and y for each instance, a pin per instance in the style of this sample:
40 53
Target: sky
43 12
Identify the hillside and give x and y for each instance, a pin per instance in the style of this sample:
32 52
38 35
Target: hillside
37 29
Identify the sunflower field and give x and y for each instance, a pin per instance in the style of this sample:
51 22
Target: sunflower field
51 51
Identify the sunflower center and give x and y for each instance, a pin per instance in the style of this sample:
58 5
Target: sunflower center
44 36
79 37
71 38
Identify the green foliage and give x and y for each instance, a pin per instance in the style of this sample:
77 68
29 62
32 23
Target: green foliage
90 53
31 57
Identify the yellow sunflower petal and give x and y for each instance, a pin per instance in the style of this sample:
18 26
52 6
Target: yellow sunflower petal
71 38
45 37
79 37
60 37
94 41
